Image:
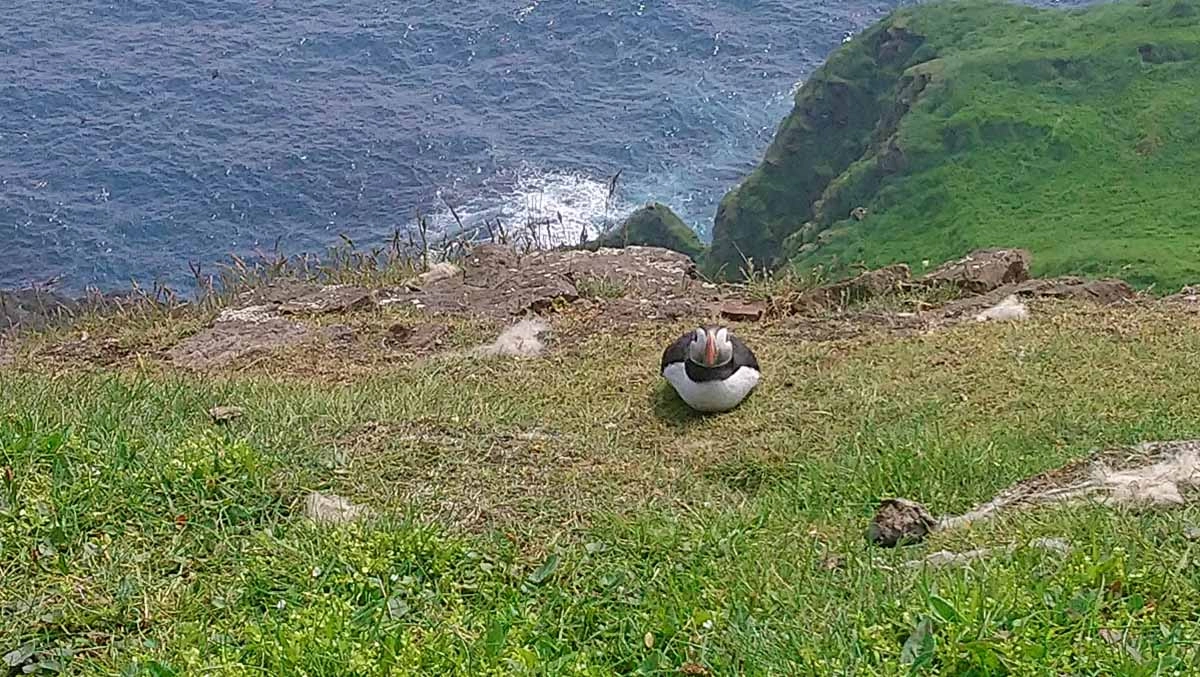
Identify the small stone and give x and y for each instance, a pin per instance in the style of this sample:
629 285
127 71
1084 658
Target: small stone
833 562
742 312
331 509
225 414
415 337
436 273
900 521
338 333
1192 533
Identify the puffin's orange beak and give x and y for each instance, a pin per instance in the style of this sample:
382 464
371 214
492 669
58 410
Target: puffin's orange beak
710 351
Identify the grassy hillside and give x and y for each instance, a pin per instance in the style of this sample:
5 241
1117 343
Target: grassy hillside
970 124
565 516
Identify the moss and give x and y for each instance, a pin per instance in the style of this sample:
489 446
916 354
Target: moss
654 225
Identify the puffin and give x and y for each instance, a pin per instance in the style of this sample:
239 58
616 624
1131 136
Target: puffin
710 369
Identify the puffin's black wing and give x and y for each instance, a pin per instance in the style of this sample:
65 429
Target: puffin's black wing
677 351
742 355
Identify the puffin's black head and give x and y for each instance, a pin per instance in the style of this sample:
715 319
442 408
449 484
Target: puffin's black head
711 347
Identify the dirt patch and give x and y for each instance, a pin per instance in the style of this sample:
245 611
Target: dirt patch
86 349
231 339
1099 292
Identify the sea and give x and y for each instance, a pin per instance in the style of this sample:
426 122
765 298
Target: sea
139 138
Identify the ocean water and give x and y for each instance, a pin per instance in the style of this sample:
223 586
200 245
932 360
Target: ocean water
137 136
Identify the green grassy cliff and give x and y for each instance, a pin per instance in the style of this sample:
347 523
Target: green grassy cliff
959 125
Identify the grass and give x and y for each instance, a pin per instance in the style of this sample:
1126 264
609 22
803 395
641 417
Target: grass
567 516
600 287
1063 132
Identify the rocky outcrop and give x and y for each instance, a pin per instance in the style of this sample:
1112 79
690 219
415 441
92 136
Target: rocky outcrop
237 334
654 225
499 282
983 270
493 282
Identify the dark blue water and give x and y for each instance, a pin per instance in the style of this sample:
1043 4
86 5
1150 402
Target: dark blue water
139 135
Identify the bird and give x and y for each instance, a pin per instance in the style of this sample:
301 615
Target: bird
711 369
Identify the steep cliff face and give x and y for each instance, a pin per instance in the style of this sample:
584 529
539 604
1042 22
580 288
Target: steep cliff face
835 117
960 125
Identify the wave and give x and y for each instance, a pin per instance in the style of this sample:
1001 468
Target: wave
543 206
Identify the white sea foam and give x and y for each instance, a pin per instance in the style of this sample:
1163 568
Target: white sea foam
550 207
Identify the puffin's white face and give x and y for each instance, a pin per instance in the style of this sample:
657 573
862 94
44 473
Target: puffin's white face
711 347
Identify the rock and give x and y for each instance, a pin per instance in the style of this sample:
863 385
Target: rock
543 296
1189 295
983 270
247 314
498 282
230 339
899 521
654 225
331 509
1192 533
32 308
225 414
1009 309
858 213
276 292
332 299
742 312
417 338
337 333
1104 292
436 273
867 285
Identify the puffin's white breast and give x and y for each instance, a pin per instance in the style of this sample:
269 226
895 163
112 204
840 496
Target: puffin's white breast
711 396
